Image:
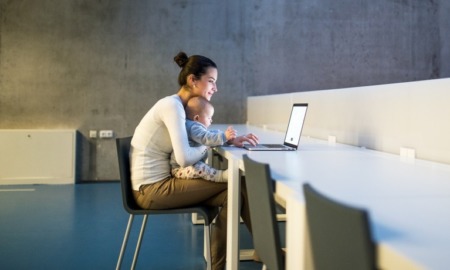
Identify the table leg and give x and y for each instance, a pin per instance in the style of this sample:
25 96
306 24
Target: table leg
233 215
298 255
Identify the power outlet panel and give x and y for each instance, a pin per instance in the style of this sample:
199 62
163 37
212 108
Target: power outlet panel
106 134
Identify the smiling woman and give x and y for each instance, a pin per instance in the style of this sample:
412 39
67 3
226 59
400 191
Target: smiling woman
198 74
162 133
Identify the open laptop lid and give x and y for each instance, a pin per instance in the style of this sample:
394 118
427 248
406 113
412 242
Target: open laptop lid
295 125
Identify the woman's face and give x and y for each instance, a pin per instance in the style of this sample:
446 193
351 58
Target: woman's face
206 86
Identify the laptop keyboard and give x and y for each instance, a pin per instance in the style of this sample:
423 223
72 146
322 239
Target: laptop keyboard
273 145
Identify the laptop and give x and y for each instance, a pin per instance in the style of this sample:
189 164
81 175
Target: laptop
293 132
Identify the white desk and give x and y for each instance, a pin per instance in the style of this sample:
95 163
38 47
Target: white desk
408 201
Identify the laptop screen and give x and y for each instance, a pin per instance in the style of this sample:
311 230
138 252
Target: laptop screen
295 125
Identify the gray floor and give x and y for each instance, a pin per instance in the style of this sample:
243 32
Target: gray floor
81 227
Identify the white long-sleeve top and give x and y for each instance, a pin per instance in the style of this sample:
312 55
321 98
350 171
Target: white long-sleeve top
161 132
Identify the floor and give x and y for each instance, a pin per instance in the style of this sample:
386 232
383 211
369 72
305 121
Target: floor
81 227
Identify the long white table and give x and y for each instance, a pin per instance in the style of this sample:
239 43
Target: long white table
408 200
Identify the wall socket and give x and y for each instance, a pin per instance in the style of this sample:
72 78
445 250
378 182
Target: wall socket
407 153
106 134
331 139
92 133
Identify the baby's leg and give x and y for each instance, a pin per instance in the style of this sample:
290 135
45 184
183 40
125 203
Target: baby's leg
200 170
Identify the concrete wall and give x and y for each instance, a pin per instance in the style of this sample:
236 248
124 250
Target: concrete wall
444 32
86 64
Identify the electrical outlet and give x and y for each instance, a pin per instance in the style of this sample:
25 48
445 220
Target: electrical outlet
92 133
106 134
408 153
331 139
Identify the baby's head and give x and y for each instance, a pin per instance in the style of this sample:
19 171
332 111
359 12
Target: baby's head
200 109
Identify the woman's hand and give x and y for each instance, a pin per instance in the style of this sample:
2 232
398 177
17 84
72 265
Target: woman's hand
249 138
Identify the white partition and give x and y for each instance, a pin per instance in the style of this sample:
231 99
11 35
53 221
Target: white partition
414 116
269 111
37 157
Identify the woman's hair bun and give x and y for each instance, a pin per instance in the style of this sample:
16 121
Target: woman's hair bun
181 59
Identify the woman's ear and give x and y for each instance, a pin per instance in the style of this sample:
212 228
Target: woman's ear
191 80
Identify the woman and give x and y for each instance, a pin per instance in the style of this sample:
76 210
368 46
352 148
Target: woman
161 132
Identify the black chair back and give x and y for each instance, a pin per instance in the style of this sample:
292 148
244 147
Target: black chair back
266 236
123 154
340 234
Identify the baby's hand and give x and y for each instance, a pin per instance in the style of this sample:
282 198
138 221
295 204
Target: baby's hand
230 133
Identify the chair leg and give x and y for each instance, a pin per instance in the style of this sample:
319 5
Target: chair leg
124 243
207 246
138 245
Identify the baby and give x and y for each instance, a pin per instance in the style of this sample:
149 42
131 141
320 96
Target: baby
199 112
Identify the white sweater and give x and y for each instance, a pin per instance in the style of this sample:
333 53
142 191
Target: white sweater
161 132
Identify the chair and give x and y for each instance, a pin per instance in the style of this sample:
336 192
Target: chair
266 236
340 234
208 213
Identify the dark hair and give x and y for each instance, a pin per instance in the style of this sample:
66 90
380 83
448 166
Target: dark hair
195 64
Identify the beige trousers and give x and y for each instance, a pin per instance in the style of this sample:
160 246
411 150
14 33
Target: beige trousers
174 192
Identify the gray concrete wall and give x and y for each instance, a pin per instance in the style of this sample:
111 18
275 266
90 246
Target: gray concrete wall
102 64
313 45
444 31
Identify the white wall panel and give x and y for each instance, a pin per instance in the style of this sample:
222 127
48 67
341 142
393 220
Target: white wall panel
383 117
37 156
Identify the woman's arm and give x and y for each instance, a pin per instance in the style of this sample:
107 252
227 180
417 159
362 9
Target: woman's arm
174 117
